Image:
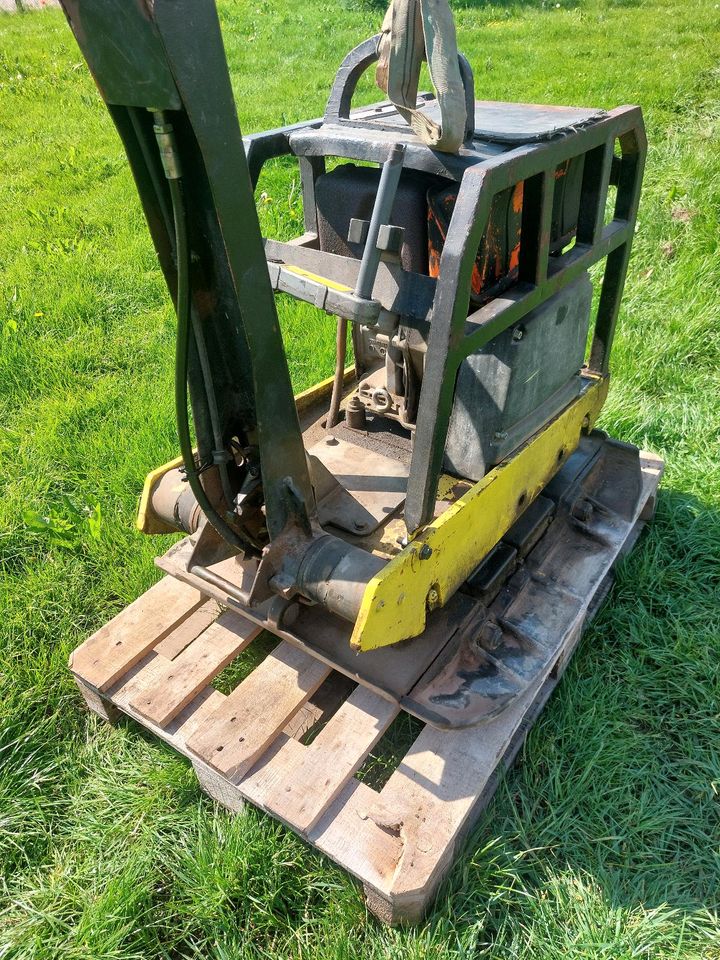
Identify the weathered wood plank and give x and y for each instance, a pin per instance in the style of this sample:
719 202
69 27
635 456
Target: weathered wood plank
299 785
257 710
98 704
190 719
143 674
129 636
181 679
349 836
434 789
218 787
399 842
320 706
183 635
193 718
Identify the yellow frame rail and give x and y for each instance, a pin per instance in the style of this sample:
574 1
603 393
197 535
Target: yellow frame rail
431 568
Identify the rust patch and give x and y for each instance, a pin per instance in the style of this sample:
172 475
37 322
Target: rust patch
517 197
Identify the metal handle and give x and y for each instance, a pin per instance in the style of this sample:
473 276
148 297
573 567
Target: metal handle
357 62
387 188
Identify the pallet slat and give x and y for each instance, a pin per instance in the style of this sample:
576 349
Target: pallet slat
190 719
108 654
256 711
304 781
156 660
181 679
350 837
336 754
433 791
183 635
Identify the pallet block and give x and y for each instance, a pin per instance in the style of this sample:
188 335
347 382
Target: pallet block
156 660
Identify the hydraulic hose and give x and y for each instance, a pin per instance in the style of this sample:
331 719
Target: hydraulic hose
182 256
339 378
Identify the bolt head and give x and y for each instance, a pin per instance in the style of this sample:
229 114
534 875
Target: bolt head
583 511
491 635
425 551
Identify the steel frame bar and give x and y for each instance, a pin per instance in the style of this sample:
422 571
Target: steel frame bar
191 38
170 57
450 341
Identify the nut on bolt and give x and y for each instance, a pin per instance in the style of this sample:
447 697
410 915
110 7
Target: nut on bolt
433 598
582 510
490 636
425 551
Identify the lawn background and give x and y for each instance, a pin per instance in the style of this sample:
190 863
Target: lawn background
604 840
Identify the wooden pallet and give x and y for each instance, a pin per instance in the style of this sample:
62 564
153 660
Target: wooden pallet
155 662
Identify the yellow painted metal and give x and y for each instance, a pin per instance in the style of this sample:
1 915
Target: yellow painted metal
430 569
147 521
322 389
332 284
396 601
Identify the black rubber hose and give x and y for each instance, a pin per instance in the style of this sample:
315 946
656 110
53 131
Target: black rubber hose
182 256
339 378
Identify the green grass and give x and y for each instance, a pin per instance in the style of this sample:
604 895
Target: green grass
604 840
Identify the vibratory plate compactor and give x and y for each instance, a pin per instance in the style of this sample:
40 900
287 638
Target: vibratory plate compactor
427 530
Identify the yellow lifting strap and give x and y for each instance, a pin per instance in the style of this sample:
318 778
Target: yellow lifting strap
413 31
